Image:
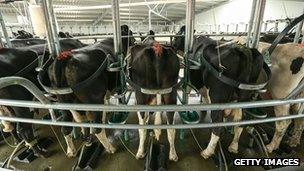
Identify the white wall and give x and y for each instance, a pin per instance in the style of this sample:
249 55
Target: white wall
238 12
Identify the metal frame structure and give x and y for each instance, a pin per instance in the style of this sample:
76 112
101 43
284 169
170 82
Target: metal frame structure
44 103
8 42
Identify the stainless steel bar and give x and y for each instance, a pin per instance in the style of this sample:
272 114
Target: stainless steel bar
189 25
150 20
26 8
298 32
296 91
161 16
51 27
1 42
8 81
159 35
135 126
258 22
253 7
146 108
116 25
190 17
4 31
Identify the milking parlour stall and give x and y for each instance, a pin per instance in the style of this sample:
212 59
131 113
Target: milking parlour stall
129 85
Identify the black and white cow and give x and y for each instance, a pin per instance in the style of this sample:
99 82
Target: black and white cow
286 64
239 63
72 67
154 66
12 62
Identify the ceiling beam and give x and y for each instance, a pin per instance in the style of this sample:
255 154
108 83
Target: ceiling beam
73 8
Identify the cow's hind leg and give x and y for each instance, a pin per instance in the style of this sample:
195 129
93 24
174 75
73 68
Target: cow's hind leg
7 126
296 132
143 118
101 133
234 146
158 118
67 132
298 127
26 132
281 127
219 93
171 99
215 136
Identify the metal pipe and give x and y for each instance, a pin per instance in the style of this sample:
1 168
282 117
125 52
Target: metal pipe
298 32
4 31
136 126
253 7
51 27
146 108
132 4
26 8
8 81
156 13
190 17
258 22
1 42
296 91
159 35
150 20
116 25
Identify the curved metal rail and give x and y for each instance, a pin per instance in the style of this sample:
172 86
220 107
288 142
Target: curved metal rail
136 126
9 81
145 108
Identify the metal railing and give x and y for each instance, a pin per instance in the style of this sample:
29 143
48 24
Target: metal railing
137 126
46 104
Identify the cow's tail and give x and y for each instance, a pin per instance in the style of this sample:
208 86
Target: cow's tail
158 51
59 66
245 55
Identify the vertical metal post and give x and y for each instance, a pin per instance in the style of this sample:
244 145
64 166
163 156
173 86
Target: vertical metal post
276 26
250 24
298 32
116 26
237 28
150 20
190 17
265 26
258 22
26 8
4 31
1 42
51 27
118 45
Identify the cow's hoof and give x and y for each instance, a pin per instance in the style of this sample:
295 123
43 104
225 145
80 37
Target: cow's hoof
233 148
157 134
8 128
294 141
71 153
140 155
41 152
173 157
269 148
111 149
205 155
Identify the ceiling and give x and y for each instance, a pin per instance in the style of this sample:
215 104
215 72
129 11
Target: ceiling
135 11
